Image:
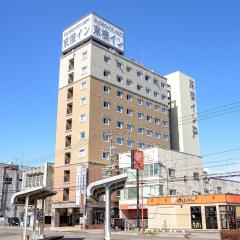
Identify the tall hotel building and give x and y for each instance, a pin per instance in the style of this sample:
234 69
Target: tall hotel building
103 98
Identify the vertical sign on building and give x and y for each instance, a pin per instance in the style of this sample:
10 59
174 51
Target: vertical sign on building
81 184
137 160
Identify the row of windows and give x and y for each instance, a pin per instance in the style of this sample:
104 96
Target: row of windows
119 108
139 73
139 100
139 87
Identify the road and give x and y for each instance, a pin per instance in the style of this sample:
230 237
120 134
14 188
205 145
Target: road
15 234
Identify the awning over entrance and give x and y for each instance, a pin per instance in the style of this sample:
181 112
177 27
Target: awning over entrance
98 188
33 193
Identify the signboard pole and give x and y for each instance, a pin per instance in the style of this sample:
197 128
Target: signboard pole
142 204
138 215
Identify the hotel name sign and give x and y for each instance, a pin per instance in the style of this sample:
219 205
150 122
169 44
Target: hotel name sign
93 26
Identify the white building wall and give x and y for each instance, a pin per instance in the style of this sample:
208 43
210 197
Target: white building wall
185 133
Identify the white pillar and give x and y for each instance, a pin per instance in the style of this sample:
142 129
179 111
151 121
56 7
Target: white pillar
107 213
41 227
34 219
25 217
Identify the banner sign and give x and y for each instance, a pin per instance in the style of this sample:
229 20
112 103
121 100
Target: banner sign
93 26
81 183
137 160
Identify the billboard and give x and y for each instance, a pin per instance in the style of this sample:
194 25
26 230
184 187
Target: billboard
93 26
81 183
137 160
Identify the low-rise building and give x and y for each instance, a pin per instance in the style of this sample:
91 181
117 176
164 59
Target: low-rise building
10 183
212 211
40 176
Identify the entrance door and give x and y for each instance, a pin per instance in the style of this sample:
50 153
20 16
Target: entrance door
196 217
211 217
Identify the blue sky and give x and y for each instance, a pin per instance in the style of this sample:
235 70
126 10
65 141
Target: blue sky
200 38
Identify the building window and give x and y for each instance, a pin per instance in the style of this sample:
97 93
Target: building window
70 78
157 134
129 82
70 93
105 155
196 176
119 79
156 94
148 104
71 64
69 108
155 81
164 98
67 158
172 192
119 124
106 73
81 153
129 127
129 112
140 130
82 135
164 110
129 97
82 118
165 137
164 123
68 140
84 55
148 118
191 83
66 176
119 140
66 194
140 145
156 107
163 85
139 87
84 70
157 121
106 137
147 78
219 190
139 101
149 145
106 120
129 142
106 104
149 132
139 73
119 108
148 91
8 180
107 59
171 172
83 101
69 124
106 89
83 85
119 64
119 93
128 69
140 115
192 95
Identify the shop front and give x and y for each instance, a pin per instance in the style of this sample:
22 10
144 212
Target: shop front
213 212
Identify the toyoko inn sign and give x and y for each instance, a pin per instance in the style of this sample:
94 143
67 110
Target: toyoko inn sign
95 27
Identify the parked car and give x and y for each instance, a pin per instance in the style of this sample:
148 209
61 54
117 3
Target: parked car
118 223
14 221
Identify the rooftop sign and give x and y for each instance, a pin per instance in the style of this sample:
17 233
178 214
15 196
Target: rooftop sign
93 26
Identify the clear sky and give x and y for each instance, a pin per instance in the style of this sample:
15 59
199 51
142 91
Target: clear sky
201 38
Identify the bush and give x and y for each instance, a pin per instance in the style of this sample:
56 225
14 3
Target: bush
230 234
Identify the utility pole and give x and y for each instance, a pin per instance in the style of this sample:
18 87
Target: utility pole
138 217
142 206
